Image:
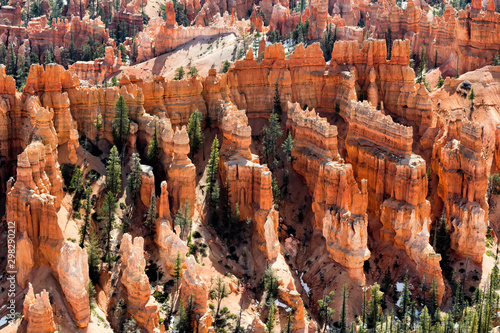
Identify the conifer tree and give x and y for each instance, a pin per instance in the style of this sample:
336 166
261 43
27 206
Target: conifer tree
270 138
287 147
11 61
183 218
212 174
151 217
270 322
121 123
3 54
388 41
496 60
425 321
93 257
376 297
49 55
107 213
98 127
277 100
194 132
182 324
325 311
113 172
22 72
328 41
86 220
134 178
177 270
218 293
154 150
343 311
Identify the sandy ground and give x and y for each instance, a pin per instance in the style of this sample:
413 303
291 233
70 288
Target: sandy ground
202 52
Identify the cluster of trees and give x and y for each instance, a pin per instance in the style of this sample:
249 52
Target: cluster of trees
328 41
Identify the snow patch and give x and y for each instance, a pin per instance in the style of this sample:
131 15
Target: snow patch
304 285
278 303
399 286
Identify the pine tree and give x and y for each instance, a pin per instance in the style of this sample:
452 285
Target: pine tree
287 147
328 41
422 66
86 220
277 100
289 325
343 312
107 213
3 54
376 297
121 123
276 192
134 178
151 217
113 172
98 127
440 82
11 61
388 41
183 218
49 55
270 322
190 313
182 324
496 60
406 303
325 311
179 73
218 293
177 270
270 138
93 257
425 321
433 304
154 150
22 72
213 165
194 132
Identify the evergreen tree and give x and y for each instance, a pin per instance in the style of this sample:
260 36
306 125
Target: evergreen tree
343 311
433 304
3 54
212 174
226 66
270 139
33 58
287 147
183 322
121 124
151 217
425 321
183 218
98 127
326 312
49 55
375 299
302 6
328 41
276 192
133 53
388 41
56 7
440 82
277 100
422 66
154 150
496 60
218 293
179 73
134 178
177 270
22 72
11 61
107 213
405 304
113 172
86 220
289 325
270 322
93 257
194 132
190 313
